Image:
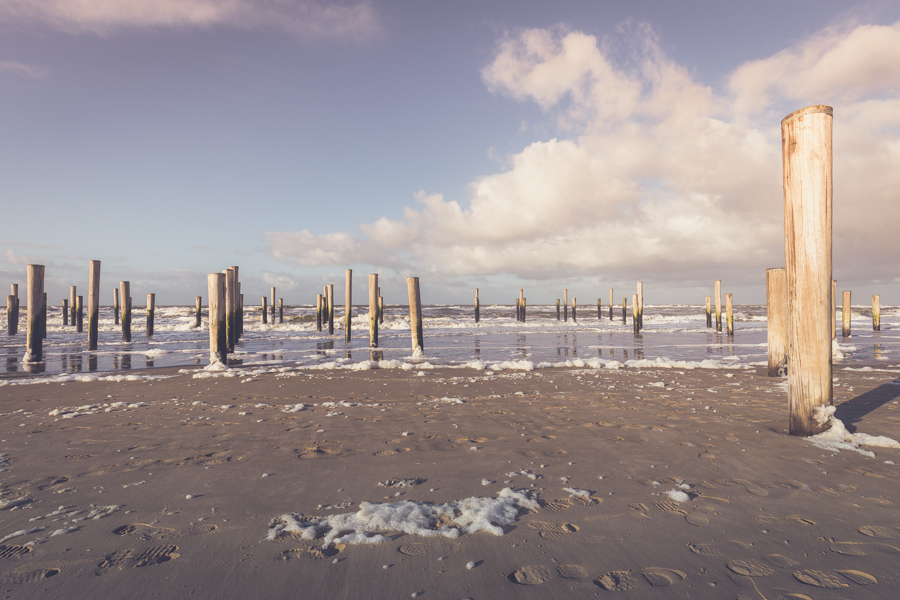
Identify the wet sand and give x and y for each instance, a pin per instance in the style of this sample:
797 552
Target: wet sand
173 497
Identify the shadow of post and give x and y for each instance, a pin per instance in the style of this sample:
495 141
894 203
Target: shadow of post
852 411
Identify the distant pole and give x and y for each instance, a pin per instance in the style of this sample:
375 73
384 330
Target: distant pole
521 305
845 314
318 312
236 323
34 283
565 305
574 318
281 310
151 310
198 311
373 310
634 315
415 315
218 342
11 315
12 328
72 300
93 304
477 307
833 309
640 304
708 314
599 309
348 303
241 312
558 314
718 295
125 296
807 159
44 319
624 310
611 303
79 314
265 313
229 309
729 316
518 309
330 309
380 307
876 313
776 321
65 311
115 306
524 303
273 305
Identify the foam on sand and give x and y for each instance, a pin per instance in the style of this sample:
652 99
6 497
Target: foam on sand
837 438
372 520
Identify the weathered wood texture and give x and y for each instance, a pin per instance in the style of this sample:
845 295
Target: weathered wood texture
833 309
708 313
876 312
477 307
729 315
34 284
640 304
776 321
79 314
565 305
281 310
11 324
348 304
125 317
718 298
415 316
116 306
318 312
330 309
634 313
65 311
151 313
230 335
93 304
198 311
846 313
237 320
373 310
218 342
807 160
610 304
73 298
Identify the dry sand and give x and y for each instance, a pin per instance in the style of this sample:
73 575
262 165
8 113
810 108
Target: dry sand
174 499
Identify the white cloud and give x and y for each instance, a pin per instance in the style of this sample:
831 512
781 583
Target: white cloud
22 70
307 18
654 175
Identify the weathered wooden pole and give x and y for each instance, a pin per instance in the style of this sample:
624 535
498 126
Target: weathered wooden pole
380 307
237 323
151 313
718 295
44 319
729 315
318 312
348 304
12 326
79 314
845 314
125 296
265 313
524 303
876 313
65 311
640 304
611 304
599 310
230 295
34 282
330 309
776 321
624 310
518 309
415 315
634 314
281 310
198 311
558 314
273 305
565 305
708 313
806 137
116 308
574 318
373 310
218 341
240 312
72 300
93 304
11 315
477 307
833 309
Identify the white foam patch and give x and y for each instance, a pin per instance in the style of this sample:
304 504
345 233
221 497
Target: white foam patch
369 524
837 438
577 493
678 496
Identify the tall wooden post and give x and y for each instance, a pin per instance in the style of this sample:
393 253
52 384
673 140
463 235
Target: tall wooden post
640 304
125 296
93 304
574 317
151 313
79 314
524 302
833 309
330 309
34 347
845 314
198 311
415 315
565 305
610 304
116 308
599 310
265 313
348 304
477 307
380 307
729 316
218 342
44 319
240 312
318 312
281 310
776 321
718 295
238 324
708 314
11 324
273 305
65 311
518 309
73 295
876 313
624 310
373 310
229 309
807 158
558 314
634 313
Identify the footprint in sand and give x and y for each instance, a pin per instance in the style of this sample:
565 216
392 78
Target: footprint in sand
442 547
555 505
311 552
862 548
553 531
671 507
749 568
20 577
789 520
616 581
834 582
126 558
13 551
876 531
659 577
717 549
571 571
144 531
530 575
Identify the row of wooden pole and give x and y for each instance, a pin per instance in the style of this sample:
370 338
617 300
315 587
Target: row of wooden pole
729 309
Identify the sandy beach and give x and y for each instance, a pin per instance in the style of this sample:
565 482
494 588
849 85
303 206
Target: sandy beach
643 483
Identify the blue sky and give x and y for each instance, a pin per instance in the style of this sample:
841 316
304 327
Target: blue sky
495 145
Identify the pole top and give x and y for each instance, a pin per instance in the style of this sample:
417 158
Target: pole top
809 110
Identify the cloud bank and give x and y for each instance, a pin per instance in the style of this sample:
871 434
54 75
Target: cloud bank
652 174
310 19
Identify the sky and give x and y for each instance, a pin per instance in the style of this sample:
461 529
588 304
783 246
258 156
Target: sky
500 145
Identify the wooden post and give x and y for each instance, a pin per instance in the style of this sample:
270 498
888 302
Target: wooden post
65 311
72 300
198 311
876 313
125 295
151 313
708 314
610 304
237 324
599 310
373 310
281 310
348 304
477 307
11 315
718 296
524 303
318 312
241 312
229 309
518 309
265 313
807 160
44 319
640 304
380 307
93 304
79 314
521 305
634 315
116 309
624 310
729 316
833 309
273 305
34 347
574 319
218 342
776 321
415 315
565 305
558 314
330 309
845 314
